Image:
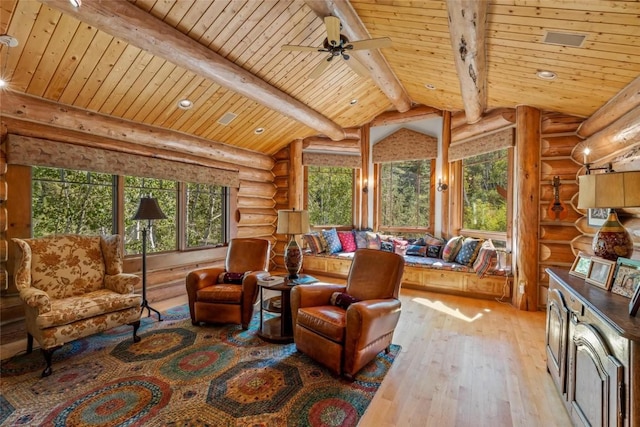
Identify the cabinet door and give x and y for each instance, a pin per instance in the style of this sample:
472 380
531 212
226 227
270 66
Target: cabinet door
595 380
556 342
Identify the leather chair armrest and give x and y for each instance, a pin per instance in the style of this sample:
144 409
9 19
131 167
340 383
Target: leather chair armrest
369 320
122 283
36 298
250 287
203 277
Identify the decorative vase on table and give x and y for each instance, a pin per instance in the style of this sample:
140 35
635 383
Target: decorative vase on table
293 258
612 240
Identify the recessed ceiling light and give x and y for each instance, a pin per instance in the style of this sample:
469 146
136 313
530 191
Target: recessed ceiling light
430 86
185 104
258 131
3 82
546 75
353 101
76 3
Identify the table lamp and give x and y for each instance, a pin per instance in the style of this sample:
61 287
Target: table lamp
293 222
610 190
148 209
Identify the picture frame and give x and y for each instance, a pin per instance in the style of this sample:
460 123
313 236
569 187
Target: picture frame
581 265
634 305
601 272
596 217
627 277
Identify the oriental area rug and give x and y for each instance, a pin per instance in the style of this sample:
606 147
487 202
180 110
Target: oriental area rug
183 375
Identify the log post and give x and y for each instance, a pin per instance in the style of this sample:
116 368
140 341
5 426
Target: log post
444 202
528 207
296 175
366 185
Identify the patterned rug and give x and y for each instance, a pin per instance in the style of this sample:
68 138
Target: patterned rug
182 375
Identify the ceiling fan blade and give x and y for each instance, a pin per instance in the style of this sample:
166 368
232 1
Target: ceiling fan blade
357 66
333 30
370 44
290 47
320 68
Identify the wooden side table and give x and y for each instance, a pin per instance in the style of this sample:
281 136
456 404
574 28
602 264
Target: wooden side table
278 329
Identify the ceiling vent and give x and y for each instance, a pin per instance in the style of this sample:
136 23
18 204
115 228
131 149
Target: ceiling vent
227 118
564 39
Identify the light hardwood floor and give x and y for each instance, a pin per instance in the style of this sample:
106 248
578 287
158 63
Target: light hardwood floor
464 362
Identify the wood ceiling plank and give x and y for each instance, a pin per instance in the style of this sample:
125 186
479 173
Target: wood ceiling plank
225 42
536 35
6 12
140 89
589 5
193 91
169 75
207 19
82 74
35 48
21 30
178 10
107 62
127 83
213 113
220 23
247 33
70 61
202 98
192 16
563 15
165 99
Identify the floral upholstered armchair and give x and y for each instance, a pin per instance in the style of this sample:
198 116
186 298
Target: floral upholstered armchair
72 286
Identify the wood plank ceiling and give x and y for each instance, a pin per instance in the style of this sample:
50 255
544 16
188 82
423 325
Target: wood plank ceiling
62 59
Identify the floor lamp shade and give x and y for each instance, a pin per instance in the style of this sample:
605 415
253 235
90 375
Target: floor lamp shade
293 222
610 190
148 209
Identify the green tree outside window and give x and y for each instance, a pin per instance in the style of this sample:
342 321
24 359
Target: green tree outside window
205 219
485 179
330 195
405 193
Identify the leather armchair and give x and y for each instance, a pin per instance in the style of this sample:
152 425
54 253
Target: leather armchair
345 340
211 300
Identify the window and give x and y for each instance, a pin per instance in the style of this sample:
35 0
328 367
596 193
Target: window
405 194
330 195
485 179
74 202
205 222
163 233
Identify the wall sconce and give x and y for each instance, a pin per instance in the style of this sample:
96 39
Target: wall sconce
365 188
441 185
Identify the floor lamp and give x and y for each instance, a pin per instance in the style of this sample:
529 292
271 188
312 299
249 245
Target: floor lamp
147 210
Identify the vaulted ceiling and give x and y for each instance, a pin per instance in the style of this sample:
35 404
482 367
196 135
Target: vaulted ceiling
135 60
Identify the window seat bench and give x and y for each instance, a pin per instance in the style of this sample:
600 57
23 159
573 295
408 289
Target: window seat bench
431 274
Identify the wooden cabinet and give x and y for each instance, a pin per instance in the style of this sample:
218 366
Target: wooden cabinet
593 352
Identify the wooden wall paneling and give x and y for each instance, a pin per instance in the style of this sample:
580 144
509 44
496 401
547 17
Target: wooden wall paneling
555 123
4 243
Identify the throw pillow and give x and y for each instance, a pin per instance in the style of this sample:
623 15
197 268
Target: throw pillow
487 259
323 242
434 241
417 250
386 246
400 246
235 278
342 299
434 251
347 240
452 248
333 241
469 251
373 241
361 239
313 243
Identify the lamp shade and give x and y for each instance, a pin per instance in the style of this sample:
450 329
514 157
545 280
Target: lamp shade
149 209
609 190
293 222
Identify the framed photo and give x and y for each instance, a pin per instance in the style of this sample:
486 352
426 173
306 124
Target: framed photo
634 305
597 216
627 277
601 272
581 265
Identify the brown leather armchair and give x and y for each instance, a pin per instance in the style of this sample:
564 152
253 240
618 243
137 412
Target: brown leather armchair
212 300
345 340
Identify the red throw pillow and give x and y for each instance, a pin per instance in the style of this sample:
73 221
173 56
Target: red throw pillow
348 241
342 299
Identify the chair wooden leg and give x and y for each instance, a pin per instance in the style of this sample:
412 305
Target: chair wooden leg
48 354
136 325
29 343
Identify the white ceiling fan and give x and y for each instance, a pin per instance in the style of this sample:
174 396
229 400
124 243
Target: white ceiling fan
337 45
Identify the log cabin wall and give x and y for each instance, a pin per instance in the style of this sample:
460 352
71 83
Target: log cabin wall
281 199
251 213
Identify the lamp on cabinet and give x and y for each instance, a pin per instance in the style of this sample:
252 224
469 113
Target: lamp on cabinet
610 190
293 222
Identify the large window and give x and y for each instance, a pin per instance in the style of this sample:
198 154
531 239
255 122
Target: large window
80 202
485 179
73 202
405 194
163 234
330 195
205 222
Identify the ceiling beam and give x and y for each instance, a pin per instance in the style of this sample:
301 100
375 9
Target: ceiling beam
467 26
375 63
127 22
